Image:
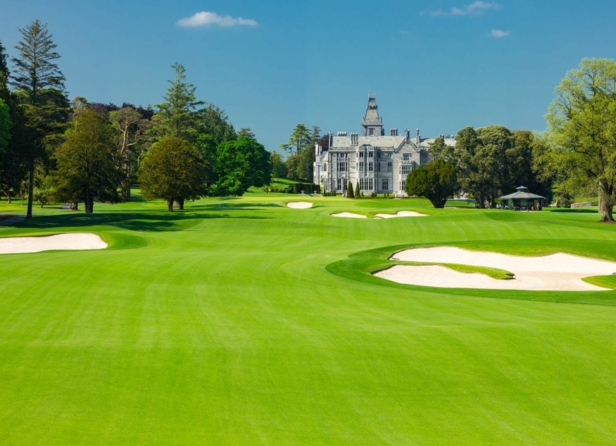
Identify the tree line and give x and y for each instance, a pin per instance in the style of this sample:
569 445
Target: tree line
485 164
578 152
55 150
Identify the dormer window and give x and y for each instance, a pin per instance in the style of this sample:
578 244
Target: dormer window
371 132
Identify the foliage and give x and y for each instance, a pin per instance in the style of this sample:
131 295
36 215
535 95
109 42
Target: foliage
39 84
582 128
436 181
172 170
5 126
4 68
350 193
357 191
299 140
131 133
279 168
86 162
213 121
239 165
246 132
439 150
492 161
177 115
300 163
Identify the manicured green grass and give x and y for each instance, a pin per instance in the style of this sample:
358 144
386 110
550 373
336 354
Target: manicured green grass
241 321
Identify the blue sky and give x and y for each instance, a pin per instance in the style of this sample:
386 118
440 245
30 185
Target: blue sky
434 65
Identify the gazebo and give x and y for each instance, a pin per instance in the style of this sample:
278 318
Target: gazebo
522 200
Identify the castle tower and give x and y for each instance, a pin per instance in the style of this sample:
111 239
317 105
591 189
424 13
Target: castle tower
372 123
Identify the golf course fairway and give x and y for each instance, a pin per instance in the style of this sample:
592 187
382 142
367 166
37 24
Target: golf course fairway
241 321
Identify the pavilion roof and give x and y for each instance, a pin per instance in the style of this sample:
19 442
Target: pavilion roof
521 194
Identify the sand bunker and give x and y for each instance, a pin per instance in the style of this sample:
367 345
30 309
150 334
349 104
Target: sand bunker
401 214
299 205
557 272
348 215
19 245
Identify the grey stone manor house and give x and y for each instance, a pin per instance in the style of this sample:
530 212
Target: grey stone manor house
379 162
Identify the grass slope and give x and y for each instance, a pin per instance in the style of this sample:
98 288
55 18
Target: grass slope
223 325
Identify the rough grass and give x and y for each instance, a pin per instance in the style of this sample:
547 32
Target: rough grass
240 321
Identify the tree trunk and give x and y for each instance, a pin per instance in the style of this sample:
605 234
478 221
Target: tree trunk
606 203
605 208
180 204
8 197
89 202
170 205
74 206
30 192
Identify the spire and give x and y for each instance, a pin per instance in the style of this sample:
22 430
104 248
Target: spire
372 123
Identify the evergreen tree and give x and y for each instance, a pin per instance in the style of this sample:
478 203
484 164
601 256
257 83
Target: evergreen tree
177 116
40 86
350 190
4 68
436 181
357 191
246 132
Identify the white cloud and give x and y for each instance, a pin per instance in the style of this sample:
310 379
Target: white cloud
475 8
205 18
499 33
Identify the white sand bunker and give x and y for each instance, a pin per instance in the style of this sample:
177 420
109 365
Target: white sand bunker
348 215
299 205
19 245
557 272
401 214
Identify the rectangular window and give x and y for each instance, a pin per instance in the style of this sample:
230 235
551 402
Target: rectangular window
406 156
389 167
342 166
370 154
361 154
378 167
370 166
370 132
324 167
361 166
385 185
406 169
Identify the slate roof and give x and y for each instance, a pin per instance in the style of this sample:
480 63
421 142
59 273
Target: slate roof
392 142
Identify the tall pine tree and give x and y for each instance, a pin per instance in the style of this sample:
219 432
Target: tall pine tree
40 86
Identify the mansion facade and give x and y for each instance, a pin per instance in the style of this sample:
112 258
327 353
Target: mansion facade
379 163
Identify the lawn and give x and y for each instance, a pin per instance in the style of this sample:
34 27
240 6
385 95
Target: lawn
241 321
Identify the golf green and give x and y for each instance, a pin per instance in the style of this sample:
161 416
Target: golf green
242 321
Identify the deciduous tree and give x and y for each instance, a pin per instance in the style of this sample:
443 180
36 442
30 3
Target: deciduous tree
131 131
86 162
582 127
241 164
173 170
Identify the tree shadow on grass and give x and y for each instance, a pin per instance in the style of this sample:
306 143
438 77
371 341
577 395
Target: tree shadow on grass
575 211
132 221
235 206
